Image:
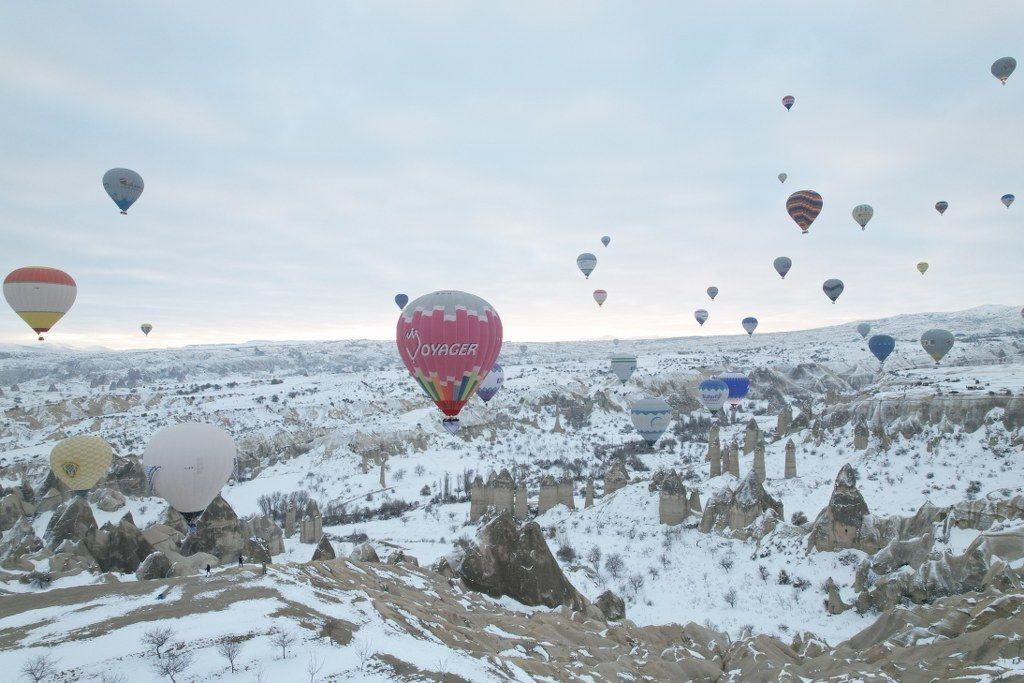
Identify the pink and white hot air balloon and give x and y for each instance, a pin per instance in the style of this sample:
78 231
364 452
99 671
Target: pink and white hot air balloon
449 341
600 296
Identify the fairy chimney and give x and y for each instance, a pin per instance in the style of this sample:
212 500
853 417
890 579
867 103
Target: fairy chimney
750 437
790 459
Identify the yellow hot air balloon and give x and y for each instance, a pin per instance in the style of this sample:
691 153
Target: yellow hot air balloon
80 461
922 266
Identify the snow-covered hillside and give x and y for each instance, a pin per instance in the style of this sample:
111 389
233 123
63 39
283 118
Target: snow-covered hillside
324 418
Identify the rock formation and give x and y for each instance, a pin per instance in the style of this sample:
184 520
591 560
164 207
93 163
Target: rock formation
521 504
108 500
289 521
497 495
218 533
565 492
673 505
400 557
759 461
790 470
737 509
715 456
733 464
694 503
860 436
513 561
588 498
155 566
13 507
845 522
266 531
834 602
364 552
163 538
785 419
311 528
548 496
18 541
611 605
751 437
615 478
324 550
477 499
120 547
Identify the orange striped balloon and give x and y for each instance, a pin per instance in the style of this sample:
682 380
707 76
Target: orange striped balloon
40 295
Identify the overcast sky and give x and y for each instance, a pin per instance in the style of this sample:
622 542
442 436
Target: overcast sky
304 162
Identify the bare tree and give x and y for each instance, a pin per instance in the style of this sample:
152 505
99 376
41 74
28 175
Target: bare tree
283 639
174 663
229 649
40 667
157 637
365 652
112 677
313 666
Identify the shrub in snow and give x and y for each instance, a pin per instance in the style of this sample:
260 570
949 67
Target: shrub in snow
799 518
614 564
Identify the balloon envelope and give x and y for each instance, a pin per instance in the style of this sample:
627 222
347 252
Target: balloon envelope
40 295
80 461
522 348
713 393
586 262
782 177
1007 199
749 324
492 383
600 296
124 186
803 207
863 329
651 417
701 315
449 341
922 267
937 343
881 345
1003 67
738 383
782 265
623 365
941 207
862 213
188 464
712 292
146 328
606 240
401 300
832 287
788 101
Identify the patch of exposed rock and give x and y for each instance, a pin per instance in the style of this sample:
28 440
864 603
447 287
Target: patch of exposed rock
218 533
845 522
324 550
516 561
611 605
736 510
156 566
364 552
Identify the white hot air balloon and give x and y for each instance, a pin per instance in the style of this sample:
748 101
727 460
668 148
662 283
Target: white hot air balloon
188 464
623 365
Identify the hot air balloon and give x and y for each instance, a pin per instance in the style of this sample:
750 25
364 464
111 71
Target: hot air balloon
1003 67
146 328
749 324
832 287
587 262
1007 199
40 295
401 300
651 417
862 213
522 348
124 186
713 393
881 345
922 267
623 365
449 341
788 101
739 385
606 240
863 330
782 177
937 343
782 265
803 207
941 207
712 292
188 464
491 384
80 461
701 315
600 296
